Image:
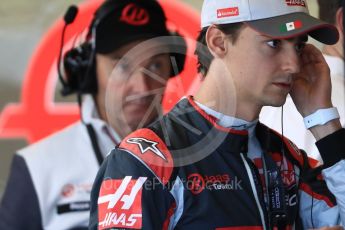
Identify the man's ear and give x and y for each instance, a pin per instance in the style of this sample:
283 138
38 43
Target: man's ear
339 20
216 41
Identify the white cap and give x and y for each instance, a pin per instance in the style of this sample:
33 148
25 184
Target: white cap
275 18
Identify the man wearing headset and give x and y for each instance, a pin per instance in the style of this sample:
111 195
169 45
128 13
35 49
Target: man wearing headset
209 163
332 12
50 181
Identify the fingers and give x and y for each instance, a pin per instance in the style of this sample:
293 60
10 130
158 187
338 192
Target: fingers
311 87
306 57
313 64
312 54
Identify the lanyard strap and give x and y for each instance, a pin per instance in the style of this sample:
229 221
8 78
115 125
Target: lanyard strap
275 191
95 144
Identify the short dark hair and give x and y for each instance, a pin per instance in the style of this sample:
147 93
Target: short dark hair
203 53
328 10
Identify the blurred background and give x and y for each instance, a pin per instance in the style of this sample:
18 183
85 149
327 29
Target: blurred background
22 25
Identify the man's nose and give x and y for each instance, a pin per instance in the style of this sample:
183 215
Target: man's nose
291 62
140 81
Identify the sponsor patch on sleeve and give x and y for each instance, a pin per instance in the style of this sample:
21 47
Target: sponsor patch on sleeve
151 149
119 203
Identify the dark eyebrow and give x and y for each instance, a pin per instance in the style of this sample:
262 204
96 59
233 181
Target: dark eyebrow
302 38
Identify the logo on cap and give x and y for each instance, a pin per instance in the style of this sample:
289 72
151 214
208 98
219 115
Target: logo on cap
295 3
290 26
227 12
135 15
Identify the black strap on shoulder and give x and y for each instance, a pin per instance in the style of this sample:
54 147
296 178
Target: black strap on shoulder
94 142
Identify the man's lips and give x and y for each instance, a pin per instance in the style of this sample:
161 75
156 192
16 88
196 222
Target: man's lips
284 85
138 104
139 100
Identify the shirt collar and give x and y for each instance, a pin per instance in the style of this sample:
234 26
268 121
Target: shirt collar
229 121
91 116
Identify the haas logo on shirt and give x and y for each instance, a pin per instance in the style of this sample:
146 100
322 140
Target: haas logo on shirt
119 203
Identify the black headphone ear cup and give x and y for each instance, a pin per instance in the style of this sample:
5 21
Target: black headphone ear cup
78 64
88 81
178 52
72 67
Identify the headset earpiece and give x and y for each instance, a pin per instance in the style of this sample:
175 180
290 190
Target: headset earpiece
80 64
80 74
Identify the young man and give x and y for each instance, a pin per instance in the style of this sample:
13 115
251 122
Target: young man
50 182
209 163
330 11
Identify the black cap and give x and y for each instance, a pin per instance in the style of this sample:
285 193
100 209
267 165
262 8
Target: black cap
119 22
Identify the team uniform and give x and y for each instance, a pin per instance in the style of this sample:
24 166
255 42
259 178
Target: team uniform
50 182
188 171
